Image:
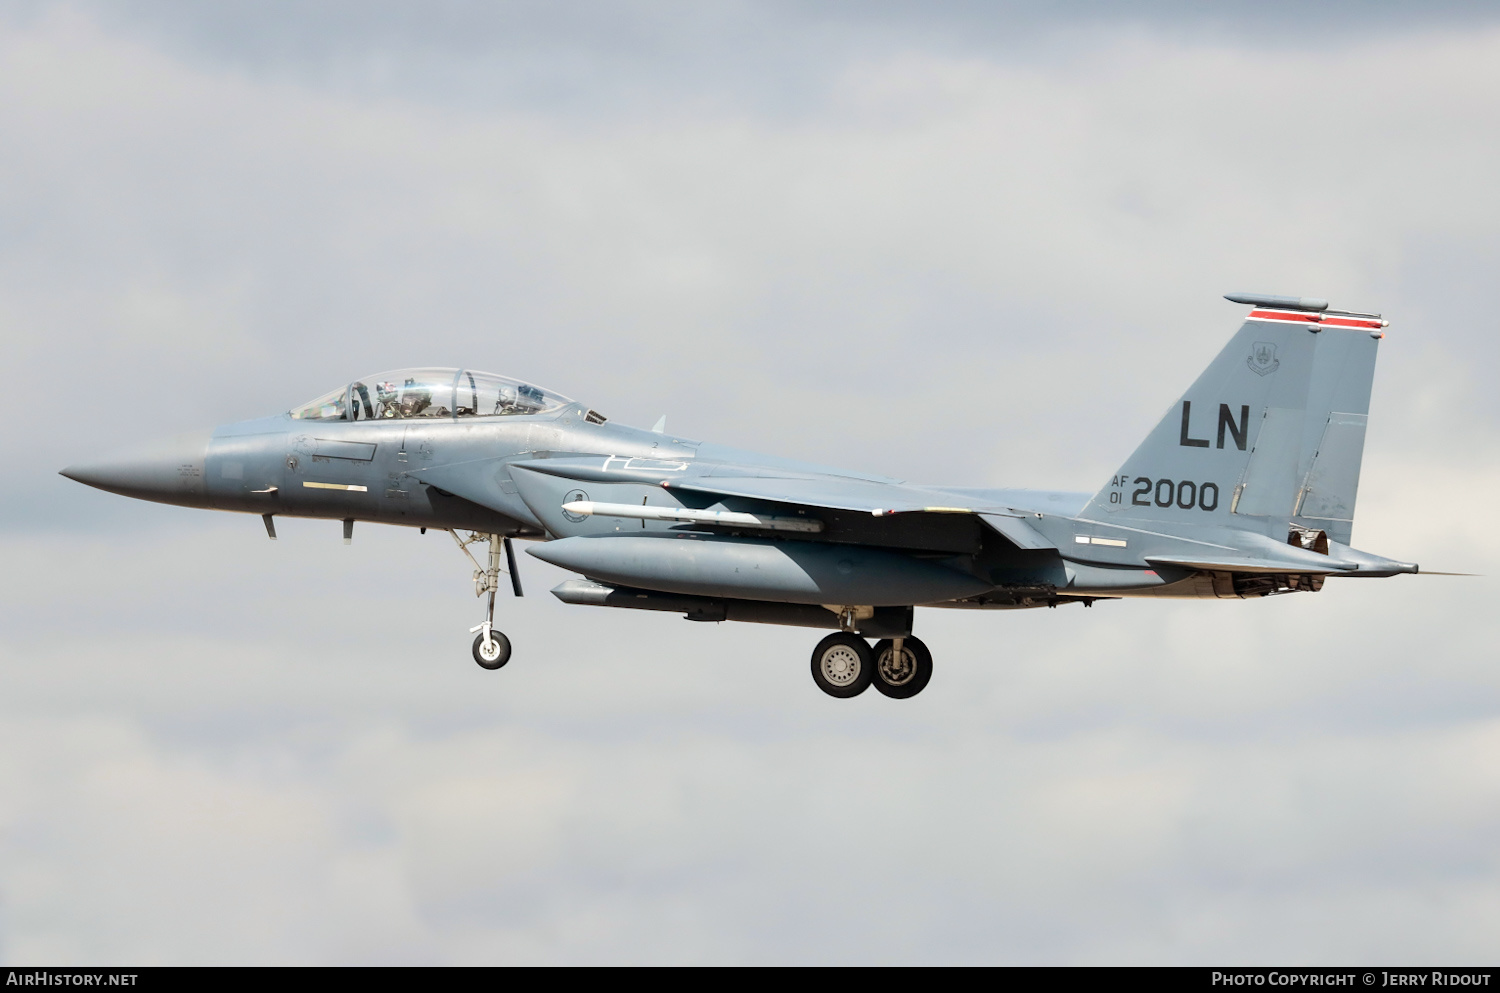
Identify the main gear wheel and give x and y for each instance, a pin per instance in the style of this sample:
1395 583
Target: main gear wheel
842 665
904 672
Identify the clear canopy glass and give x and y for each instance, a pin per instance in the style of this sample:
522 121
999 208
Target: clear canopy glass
325 408
432 393
485 394
406 393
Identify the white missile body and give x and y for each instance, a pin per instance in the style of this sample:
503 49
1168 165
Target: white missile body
588 508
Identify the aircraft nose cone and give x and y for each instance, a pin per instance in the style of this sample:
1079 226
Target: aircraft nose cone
169 471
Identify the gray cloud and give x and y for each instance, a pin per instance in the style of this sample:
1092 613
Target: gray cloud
596 57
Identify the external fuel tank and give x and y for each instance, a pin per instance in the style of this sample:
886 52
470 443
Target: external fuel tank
784 571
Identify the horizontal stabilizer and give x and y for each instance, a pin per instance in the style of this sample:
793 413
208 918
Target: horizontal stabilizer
1368 564
1312 565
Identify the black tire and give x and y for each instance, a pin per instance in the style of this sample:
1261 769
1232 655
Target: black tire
842 665
908 677
502 654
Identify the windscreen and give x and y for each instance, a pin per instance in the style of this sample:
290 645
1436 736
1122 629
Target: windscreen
329 407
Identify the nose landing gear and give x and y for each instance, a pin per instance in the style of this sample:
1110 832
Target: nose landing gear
491 647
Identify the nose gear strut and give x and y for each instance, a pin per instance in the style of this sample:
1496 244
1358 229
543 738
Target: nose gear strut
491 647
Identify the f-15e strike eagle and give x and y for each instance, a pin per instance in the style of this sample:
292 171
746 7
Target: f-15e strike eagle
1245 489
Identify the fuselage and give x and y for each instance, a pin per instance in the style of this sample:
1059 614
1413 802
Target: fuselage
393 470
462 450
1245 488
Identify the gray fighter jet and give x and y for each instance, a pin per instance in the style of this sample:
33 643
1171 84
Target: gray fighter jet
1245 489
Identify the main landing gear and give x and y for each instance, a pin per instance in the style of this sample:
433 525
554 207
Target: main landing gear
844 665
491 647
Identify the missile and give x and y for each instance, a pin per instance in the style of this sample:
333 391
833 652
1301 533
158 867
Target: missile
588 508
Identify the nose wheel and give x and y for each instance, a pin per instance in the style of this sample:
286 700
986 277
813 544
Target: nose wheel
491 647
494 652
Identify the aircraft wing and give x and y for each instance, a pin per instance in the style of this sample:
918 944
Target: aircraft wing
826 492
855 510
859 511
882 501
803 489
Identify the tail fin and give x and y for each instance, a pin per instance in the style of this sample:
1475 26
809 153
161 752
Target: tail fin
1270 435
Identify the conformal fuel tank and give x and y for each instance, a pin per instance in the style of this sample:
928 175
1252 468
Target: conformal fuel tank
787 571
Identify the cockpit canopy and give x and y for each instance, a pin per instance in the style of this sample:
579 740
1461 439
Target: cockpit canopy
431 393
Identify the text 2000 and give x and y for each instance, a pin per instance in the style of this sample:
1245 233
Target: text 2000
1186 494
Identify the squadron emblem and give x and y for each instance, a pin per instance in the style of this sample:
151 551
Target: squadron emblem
1263 360
572 497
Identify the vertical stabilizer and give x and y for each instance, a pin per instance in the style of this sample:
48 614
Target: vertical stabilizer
1270 435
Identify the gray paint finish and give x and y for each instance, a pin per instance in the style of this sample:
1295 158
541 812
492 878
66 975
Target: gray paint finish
790 572
1205 506
1329 489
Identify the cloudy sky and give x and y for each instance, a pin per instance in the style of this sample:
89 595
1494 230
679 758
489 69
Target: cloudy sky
964 243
